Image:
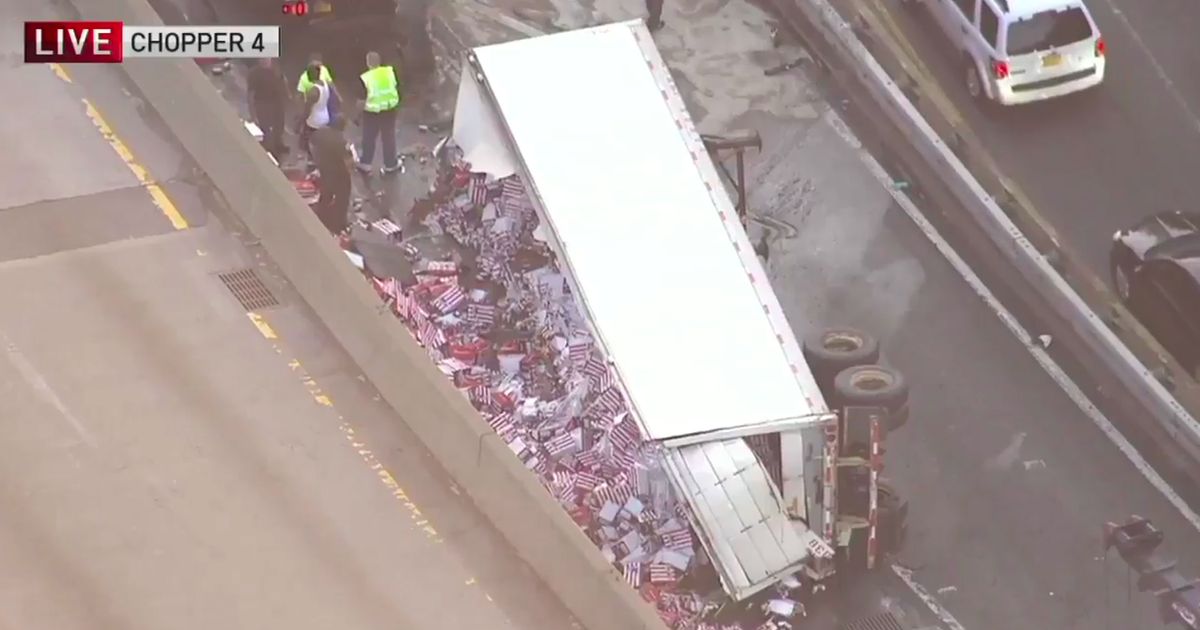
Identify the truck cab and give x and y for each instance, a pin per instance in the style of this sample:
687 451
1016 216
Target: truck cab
344 30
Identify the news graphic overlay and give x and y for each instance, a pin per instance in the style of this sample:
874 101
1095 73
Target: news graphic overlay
113 42
74 42
225 42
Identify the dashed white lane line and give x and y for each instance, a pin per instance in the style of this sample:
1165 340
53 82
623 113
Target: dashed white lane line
33 377
1159 71
1031 344
925 596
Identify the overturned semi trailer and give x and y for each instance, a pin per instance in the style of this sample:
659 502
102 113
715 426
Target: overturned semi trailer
654 252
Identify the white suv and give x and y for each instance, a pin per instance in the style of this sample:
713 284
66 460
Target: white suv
1019 51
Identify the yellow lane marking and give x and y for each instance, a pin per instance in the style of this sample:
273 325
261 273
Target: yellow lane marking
262 326
160 198
910 58
898 36
368 457
171 211
61 72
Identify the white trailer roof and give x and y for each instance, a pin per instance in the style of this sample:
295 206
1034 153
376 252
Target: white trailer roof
649 235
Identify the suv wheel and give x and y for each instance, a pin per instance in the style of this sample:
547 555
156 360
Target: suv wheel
1121 282
973 81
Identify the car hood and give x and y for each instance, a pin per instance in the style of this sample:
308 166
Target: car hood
1158 229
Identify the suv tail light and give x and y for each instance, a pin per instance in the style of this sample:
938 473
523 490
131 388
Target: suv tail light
1000 69
1101 47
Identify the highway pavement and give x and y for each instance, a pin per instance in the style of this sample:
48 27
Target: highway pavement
164 465
169 459
1009 481
1097 161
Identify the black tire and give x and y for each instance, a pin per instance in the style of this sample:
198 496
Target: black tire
893 516
834 349
1120 280
970 72
874 386
892 524
897 418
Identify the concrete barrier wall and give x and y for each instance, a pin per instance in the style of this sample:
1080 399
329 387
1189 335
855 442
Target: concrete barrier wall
259 195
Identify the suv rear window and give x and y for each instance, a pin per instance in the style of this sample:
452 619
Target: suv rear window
1048 29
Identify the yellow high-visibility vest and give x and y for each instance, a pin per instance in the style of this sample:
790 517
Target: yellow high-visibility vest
304 85
383 89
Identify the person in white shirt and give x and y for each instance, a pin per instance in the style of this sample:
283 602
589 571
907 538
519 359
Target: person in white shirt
318 110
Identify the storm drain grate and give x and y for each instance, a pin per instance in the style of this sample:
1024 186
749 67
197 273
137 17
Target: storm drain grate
248 288
882 621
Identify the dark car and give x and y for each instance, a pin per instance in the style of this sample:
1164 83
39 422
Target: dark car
1156 272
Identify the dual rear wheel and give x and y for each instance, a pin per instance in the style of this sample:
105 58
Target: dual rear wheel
845 364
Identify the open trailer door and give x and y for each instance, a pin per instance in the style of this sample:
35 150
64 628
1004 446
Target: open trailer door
740 516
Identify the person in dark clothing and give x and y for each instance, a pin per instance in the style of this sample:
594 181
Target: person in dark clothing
268 96
335 163
654 8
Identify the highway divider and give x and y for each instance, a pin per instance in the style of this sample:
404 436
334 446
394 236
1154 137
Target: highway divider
1133 373
265 202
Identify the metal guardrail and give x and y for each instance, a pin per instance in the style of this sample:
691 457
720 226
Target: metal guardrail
1107 357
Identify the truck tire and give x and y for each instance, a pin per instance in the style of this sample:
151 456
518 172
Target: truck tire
892 528
874 386
893 516
832 350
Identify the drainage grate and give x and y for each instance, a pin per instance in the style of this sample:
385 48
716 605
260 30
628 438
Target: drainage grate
882 621
248 288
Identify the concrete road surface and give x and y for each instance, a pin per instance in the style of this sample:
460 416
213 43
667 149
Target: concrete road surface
165 460
1009 481
1098 161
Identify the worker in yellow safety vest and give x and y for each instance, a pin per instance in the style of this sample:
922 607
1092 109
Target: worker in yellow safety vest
305 84
379 114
